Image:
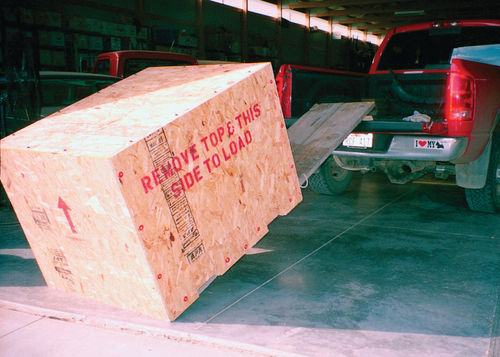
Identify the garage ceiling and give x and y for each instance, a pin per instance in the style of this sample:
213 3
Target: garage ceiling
378 16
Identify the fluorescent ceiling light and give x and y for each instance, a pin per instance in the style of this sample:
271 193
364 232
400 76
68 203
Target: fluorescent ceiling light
263 8
233 3
269 9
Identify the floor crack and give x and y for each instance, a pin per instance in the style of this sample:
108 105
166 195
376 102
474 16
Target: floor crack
308 255
21 327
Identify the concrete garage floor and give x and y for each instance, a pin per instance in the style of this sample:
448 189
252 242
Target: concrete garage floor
383 270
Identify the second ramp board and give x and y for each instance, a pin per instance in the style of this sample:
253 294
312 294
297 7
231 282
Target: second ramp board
320 131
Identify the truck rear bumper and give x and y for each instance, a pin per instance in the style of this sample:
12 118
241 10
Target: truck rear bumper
409 147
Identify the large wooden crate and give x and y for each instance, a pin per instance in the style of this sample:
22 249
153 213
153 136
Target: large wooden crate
140 194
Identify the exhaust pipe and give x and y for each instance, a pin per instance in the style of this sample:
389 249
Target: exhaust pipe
405 171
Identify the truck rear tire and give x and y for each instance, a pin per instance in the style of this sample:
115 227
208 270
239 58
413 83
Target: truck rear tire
487 199
330 179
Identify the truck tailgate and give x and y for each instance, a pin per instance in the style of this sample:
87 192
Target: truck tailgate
399 94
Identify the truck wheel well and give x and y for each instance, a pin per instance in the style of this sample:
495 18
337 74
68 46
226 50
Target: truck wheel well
473 175
487 198
496 125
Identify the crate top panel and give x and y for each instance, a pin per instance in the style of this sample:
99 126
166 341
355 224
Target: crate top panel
109 121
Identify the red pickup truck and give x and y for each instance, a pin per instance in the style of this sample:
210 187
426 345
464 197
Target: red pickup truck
436 87
125 63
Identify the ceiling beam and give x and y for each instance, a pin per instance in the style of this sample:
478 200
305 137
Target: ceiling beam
390 23
421 5
380 19
378 16
387 25
431 16
320 4
379 32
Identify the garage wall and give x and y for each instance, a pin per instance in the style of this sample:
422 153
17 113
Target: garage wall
68 35
181 10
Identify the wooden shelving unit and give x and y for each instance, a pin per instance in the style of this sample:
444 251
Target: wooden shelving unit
61 40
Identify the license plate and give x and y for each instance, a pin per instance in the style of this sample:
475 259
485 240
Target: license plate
356 140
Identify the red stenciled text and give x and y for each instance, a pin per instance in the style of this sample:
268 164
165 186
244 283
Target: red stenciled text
184 170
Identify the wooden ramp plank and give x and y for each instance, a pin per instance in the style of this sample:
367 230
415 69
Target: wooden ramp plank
302 129
320 131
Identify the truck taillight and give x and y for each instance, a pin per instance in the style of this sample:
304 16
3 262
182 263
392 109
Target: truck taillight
284 85
460 97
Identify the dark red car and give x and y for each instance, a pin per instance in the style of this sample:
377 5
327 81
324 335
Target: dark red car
125 63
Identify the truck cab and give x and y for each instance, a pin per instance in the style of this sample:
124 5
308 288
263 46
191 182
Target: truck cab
125 63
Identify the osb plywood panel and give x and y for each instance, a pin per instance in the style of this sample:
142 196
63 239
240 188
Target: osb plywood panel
79 227
140 194
320 131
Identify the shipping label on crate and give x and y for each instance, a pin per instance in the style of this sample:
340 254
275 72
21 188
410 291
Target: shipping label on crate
166 174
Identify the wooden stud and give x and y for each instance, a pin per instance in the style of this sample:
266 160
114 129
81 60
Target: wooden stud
200 28
307 37
244 31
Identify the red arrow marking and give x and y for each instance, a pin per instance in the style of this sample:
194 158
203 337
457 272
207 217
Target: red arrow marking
62 205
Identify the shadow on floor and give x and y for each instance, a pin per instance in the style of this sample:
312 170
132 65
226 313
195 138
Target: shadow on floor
381 257
422 264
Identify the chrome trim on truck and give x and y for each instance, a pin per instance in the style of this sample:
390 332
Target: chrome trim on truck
404 147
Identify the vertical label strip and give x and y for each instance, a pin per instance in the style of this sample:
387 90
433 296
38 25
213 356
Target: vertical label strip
161 156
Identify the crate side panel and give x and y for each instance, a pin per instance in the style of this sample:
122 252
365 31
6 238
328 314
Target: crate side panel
79 228
205 187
